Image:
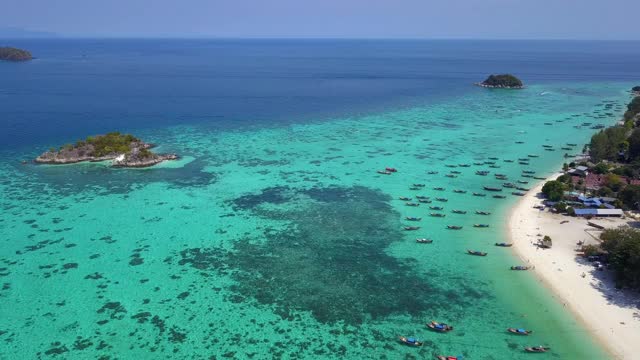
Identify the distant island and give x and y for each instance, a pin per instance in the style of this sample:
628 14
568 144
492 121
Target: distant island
124 150
502 81
13 54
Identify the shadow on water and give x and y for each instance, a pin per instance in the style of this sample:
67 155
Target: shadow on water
72 179
330 261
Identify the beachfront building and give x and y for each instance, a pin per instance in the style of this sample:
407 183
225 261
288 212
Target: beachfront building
579 171
599 212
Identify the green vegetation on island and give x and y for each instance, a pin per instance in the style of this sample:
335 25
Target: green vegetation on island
622 249
124 149
14 54
611 172
503 81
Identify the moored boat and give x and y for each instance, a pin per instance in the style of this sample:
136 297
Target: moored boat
411 228
476 253
412 218
412 204
390 169
424 241
509 185
436 208
445 357
404 198
520 268
482 172
410 341
458 191
454 227
419 185
438 188
439 327
519 331
481 225
499 197
442 199
518 193
537 349
490 188
451 176
437 215
528 172
421 197
504 244
425 201
482 212
479 194
384 172
432 172
458 211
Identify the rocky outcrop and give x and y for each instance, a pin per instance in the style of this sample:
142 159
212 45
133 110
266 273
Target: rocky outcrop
13 54
122 150
502 81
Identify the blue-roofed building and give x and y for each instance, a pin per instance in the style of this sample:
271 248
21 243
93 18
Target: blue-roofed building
599 212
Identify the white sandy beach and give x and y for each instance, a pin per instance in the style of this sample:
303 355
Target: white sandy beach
612 316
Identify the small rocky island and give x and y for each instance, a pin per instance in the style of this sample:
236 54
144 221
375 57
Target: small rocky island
13 54
502 81
635 90
124 150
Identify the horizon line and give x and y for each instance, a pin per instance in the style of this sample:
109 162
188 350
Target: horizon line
213 37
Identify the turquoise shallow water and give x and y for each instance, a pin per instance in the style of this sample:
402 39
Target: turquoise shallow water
284 242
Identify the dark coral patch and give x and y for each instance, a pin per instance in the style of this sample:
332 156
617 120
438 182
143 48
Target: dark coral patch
331 261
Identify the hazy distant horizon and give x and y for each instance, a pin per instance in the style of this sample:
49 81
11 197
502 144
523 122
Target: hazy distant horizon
354 19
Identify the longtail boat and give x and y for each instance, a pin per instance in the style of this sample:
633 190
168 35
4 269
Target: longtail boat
439 327
479 194
481 225
519 331
458 211
410 341
424 241
476 253
454 227
411 228
504 244
537 349
489 188
520 268
412 218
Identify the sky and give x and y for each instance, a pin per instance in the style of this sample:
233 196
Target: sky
429 19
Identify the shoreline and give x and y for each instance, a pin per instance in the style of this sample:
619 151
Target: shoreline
587 293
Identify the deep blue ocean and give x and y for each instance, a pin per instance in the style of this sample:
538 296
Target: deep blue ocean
75 87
